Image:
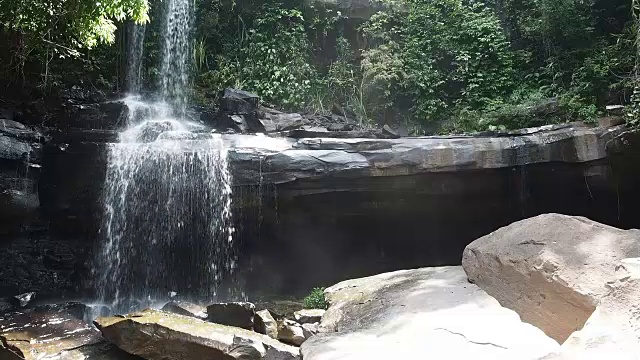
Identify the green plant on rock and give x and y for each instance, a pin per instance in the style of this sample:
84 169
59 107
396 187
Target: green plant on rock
316 299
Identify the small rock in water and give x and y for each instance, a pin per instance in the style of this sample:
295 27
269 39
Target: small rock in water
309 316
185 308
264 323
238 314
291 332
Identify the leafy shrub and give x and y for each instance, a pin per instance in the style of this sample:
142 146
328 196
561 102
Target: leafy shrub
316 300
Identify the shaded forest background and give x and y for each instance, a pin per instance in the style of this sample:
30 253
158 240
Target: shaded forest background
434 66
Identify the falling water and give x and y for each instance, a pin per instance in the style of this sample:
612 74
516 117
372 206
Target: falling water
135 39
167 196
176 54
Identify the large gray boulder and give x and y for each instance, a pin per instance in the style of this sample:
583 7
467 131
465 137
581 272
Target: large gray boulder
157 335
428 313
551 269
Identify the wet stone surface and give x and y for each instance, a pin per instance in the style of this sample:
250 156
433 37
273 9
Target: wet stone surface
47 333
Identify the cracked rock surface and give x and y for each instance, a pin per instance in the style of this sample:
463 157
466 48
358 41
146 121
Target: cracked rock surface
426 313
551 269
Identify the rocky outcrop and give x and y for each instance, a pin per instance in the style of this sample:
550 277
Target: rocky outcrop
40 334
613 330
266 324
20 158
281 160
551 269
156 335
308 316
238 314
290 332
421 314
186 309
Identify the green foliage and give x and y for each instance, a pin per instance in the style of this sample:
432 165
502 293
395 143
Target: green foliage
437 55
316 300
270 57
70 24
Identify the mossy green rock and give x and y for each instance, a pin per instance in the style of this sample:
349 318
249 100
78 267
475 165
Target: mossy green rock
154 334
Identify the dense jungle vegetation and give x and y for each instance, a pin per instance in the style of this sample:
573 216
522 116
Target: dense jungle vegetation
438 66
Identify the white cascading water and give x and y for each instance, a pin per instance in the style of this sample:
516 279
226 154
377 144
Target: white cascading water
167 198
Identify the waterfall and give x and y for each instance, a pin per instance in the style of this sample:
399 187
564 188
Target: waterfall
176 53
167 196
135 52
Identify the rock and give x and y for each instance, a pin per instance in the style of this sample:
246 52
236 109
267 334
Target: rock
308 330
238 102
45 335
421 314
238 314
264 323
550 269
284 122
610 121
389 131
613 330
290 332
186 309
340 127
154 334
24 299
74 309
309 316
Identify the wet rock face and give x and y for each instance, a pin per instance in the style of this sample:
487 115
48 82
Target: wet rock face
53 332
153 335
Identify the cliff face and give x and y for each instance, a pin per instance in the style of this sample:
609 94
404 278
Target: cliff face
314 207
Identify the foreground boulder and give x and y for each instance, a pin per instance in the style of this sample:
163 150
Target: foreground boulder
613 331
551 269
154 334
431 313
238 314
53 335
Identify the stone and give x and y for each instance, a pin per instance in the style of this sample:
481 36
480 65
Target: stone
264 323
421 314
609 121
284 122
313 154
290 332
24 299
308 330
52 335
238 314
185 308
234 101
613 330
308 316
74 309
551 269
389 131
157 335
